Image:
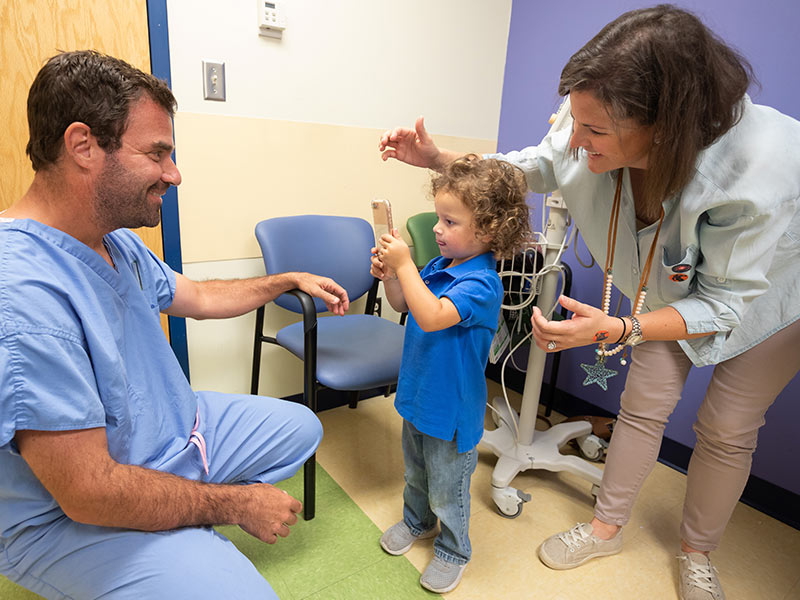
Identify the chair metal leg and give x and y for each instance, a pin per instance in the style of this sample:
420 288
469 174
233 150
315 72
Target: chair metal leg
310 397
353 398
310 467
309 487
257 342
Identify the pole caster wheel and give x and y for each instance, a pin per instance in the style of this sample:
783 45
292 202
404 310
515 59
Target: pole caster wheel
509 501
591 447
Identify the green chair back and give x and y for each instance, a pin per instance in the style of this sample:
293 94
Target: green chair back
420 228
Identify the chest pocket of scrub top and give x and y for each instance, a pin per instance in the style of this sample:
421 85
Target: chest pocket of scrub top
676 279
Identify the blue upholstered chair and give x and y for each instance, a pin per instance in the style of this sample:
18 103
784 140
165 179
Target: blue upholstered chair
352 353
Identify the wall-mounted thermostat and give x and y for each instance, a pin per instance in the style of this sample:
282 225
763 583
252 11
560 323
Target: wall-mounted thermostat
271 18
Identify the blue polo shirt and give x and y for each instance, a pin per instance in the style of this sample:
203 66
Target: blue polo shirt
442 386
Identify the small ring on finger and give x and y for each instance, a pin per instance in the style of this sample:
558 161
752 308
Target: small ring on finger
551 345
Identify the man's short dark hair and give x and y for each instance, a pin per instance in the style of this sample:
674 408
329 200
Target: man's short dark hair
90 88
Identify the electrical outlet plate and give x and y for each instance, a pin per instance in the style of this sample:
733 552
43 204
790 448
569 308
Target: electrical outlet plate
214 80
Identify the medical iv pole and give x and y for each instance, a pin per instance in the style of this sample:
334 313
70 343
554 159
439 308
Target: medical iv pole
515 441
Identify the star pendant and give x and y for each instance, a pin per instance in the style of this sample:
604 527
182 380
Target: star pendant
598 373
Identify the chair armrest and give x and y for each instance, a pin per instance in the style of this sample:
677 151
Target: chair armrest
309 309
309 347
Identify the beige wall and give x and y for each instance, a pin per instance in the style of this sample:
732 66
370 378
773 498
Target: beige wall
220 215
238 171
299 129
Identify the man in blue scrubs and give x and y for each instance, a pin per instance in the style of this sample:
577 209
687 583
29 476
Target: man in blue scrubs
113 468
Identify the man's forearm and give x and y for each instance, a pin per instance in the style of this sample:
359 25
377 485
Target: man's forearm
92 488
220 299
133 497
223 298
143 499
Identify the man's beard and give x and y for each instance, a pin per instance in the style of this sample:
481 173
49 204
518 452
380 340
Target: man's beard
121 200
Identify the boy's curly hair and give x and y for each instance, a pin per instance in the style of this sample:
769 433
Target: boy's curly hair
495 191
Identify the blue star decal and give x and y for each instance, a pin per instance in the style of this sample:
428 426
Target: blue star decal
598 373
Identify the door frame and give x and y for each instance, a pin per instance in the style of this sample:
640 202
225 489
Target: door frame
170 223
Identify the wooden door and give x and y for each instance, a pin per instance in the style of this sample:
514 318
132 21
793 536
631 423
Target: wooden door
31 31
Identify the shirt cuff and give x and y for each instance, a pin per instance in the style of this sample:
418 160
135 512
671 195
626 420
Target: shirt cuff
700 316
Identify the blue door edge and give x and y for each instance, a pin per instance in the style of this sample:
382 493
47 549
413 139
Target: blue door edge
170 225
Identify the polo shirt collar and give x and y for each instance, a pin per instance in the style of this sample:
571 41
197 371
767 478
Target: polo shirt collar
482 261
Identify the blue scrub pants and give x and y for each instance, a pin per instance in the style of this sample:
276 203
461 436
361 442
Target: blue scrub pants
250 439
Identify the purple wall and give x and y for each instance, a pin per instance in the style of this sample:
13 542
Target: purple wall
542 37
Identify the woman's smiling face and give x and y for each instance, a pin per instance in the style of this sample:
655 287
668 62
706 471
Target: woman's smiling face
609 144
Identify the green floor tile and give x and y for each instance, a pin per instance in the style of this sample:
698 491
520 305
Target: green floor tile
335 552
294 486
392 578
334 556
11 591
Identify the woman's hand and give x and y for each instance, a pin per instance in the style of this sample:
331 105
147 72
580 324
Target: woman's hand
587 325
412 146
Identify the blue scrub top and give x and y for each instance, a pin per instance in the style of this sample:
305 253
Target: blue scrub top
442 386
81 346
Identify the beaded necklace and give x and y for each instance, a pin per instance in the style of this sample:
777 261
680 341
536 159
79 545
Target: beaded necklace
598 373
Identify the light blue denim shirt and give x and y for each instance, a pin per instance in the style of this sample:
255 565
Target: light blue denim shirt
734 231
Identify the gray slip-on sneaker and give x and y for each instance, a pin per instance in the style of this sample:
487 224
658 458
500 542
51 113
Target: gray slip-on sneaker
398 539
570 549
441 576
698 578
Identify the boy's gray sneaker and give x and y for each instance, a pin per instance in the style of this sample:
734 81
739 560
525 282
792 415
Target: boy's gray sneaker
698 578
398 539
441 576
572 548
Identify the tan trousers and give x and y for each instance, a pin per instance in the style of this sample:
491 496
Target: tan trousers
740 392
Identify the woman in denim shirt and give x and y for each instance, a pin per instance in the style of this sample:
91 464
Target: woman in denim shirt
688 193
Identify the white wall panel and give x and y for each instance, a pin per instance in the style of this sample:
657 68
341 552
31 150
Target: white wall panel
372 64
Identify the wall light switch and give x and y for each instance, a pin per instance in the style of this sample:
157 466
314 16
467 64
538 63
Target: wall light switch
214 81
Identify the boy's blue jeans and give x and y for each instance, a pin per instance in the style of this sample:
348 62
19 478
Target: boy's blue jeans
437 486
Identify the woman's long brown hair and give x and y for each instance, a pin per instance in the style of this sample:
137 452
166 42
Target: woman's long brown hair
662 67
